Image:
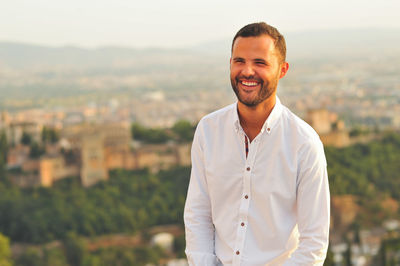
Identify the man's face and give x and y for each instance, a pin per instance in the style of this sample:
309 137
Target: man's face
255 69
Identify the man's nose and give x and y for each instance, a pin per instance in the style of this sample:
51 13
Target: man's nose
248 70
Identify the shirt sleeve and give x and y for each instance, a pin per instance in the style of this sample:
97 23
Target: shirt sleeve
312 207
199 228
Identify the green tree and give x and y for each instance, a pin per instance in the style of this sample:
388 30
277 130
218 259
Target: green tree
347 255
183 130
179 246
329 258
138 131
36 150
149 135
26 139
54 257
116 256
3 149
148 255
30 257
92 260
5 252
75 249
49 135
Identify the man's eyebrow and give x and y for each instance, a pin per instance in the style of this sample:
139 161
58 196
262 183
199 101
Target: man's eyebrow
238 59
260 60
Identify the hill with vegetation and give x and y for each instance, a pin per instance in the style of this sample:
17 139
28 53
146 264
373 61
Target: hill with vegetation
131 202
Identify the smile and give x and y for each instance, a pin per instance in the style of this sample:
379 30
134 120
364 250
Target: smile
249 83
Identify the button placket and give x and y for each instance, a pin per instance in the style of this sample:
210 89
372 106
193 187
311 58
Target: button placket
245 202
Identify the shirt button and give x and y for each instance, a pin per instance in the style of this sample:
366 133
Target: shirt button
248 168
268 129
237 252
246 197
242 224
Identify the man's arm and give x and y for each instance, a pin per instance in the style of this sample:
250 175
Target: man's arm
313 208
199 228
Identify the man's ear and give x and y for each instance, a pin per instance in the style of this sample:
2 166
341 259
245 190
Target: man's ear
284 69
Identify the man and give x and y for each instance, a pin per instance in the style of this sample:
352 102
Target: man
258 192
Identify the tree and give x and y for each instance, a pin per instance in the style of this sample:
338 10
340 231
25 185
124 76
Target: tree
75 249
36 150
149 135
5 252
138 131
3 149
54 257
49 135
30 257
329 258
179 246
183 130
26 139
347 255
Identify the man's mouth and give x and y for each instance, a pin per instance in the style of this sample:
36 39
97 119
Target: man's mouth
249 83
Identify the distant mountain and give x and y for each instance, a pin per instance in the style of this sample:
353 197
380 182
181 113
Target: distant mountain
344 43
326 44
28 55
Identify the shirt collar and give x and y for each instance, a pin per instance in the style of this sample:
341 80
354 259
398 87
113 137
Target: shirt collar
269 124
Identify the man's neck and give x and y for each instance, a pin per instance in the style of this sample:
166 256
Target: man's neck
252 119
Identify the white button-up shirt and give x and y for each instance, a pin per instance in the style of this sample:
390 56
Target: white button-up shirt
271 208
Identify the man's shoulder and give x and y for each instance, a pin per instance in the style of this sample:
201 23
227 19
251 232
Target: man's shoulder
298 126
302 136
224 114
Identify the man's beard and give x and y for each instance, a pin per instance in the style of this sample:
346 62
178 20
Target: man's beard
266 90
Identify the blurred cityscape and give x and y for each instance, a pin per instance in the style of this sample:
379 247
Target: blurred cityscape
69 113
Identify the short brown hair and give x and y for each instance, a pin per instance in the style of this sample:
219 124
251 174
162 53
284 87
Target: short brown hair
261 28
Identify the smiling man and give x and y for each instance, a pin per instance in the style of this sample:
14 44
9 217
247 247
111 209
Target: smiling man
258 192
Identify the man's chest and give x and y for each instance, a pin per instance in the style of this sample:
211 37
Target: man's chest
269 169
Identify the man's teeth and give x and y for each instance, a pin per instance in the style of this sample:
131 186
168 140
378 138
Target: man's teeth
249 83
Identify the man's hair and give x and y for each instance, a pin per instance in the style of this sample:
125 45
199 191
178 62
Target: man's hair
262 28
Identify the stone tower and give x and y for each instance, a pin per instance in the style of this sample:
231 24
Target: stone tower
93 160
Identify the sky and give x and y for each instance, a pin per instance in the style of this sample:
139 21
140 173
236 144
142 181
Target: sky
178 23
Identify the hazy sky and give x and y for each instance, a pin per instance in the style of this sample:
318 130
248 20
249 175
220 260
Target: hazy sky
177 23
